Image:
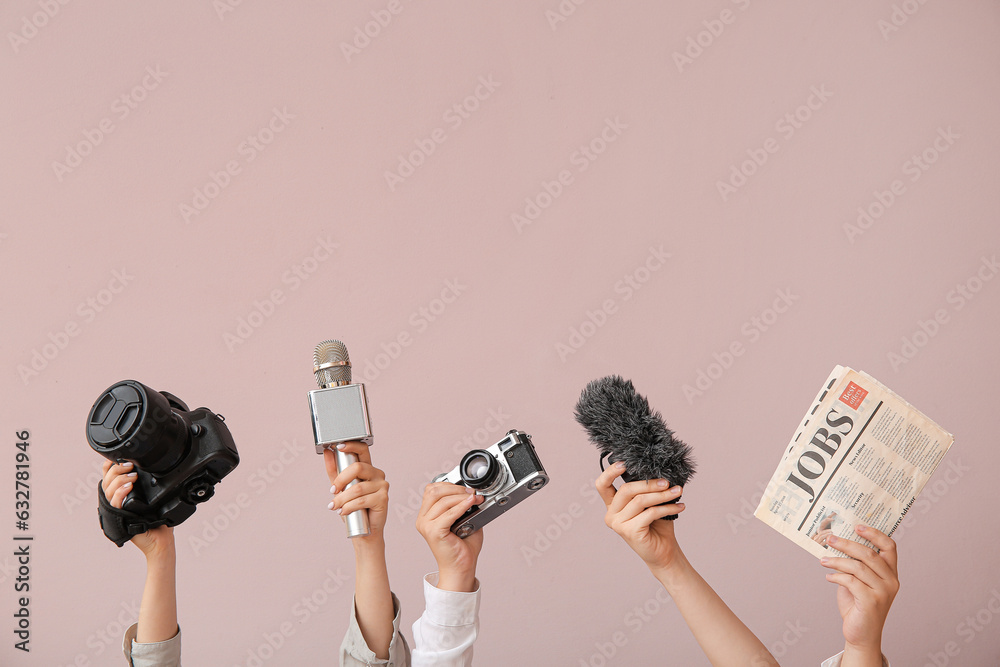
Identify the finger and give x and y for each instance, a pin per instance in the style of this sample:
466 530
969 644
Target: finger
854 568
605 482
632 489
105 467
447 505
330 457
113 470
359 470
360 489
117 482
118 497
358 448
449 502
451 515
437 490
475 542
859 590
374 501
651 514
886 545
640 502
863 554
330 462
646 518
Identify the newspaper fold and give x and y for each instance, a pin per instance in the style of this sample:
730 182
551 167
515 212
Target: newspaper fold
861 455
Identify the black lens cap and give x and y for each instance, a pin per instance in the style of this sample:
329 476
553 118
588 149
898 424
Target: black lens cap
116 415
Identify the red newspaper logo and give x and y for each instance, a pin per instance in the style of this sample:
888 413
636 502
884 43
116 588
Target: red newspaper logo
853 395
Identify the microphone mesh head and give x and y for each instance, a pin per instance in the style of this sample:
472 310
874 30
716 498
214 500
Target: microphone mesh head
328 352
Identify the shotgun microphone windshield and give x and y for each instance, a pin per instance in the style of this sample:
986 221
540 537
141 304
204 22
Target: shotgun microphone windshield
620 422
339 412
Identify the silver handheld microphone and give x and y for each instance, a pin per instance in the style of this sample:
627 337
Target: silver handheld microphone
339 414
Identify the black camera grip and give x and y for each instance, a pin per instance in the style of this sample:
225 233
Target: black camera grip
120 525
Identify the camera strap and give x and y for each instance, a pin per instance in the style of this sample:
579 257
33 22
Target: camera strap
120 525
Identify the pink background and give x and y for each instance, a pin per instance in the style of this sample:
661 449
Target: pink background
343 121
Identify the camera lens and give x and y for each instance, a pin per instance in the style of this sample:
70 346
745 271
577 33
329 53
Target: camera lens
132 422
479 470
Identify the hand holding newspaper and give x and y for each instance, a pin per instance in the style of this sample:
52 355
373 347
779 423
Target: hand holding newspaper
861 455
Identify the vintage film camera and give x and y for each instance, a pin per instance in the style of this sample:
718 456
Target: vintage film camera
504 474
179 454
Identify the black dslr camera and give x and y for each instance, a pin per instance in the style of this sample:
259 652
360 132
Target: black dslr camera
179 455
504 474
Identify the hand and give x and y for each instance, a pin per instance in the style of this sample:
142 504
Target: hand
866 587
117 484
456 558
371 493
633 512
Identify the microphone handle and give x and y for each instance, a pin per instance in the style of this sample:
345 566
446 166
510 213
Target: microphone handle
357 521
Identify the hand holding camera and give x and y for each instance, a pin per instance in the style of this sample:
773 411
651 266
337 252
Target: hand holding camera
504 474
443 505
119 481
179 455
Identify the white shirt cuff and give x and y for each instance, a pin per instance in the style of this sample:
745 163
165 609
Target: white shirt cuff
835 661
449 608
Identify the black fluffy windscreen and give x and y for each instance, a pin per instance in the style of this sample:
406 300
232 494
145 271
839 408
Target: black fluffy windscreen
623 426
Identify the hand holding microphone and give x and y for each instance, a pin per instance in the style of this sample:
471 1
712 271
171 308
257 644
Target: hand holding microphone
633 510
655 466
626 430
339 411
360 487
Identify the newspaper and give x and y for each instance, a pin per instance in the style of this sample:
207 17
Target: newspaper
861 455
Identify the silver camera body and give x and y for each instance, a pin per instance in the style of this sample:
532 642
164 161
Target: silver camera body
504 474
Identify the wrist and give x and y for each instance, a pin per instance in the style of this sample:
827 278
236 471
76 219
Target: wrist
161 558
675 574
373 542
866 654
369 549
163 569
458 580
